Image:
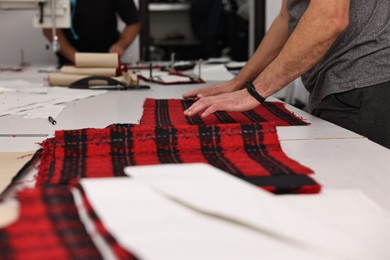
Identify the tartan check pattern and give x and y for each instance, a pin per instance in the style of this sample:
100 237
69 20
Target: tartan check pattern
251 152
170 112
49 227
244 144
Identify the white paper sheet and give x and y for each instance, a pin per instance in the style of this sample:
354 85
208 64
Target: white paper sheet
213 73
31 101
210 190
20 84
174 78
349 211
155 73
45 112
154 227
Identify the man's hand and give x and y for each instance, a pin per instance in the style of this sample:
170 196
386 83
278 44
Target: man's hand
117 48
127 37
213 90
238 101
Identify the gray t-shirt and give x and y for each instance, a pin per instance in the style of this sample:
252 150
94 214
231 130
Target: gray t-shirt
360 57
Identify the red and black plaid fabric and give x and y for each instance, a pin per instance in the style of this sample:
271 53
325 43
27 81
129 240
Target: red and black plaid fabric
49 227
170 112
116 248
249 151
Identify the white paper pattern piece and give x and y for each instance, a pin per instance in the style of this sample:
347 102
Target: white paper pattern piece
210 190
155 73
174 78
45 112
194 211
350 211
30 101
214 72
153 227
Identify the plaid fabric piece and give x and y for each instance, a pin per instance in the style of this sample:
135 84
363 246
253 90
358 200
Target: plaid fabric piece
251 152
49 227
170 112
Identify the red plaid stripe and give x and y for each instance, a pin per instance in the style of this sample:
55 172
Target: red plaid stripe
251 152
118 250
170 112
49 227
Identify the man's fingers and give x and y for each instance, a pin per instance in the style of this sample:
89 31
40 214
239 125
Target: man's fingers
203 92
192 110
190 94
198 106
210 110
195 93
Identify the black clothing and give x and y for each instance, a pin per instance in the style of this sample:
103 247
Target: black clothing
94 23
207 22
358 110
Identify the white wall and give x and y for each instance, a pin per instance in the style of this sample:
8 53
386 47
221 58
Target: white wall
272 10
17 33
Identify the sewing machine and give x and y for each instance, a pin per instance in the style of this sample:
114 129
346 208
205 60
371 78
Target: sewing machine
50 14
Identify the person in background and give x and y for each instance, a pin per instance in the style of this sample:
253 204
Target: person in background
207 19
341 48
94 28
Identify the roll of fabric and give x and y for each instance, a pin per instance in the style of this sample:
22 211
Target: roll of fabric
108 72
97 60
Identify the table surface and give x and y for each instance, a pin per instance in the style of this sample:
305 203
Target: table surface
340 158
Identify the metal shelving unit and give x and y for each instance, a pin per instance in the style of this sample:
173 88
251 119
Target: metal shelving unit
257 29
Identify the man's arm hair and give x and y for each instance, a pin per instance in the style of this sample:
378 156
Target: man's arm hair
314 35
127 37
268 49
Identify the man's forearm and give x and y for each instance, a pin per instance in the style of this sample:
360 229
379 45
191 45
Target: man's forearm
128 35
66 49
316 32
268 50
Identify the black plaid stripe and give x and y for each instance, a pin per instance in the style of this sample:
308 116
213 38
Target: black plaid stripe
121 148
75 146
103 232
283 184
62 211
253 116
162 112
49 149
274 109
5 247
191 120
91 213
224 117
211 149
166 143
255 148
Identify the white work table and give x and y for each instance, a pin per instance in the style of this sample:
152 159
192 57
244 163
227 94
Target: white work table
126 107
340 158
